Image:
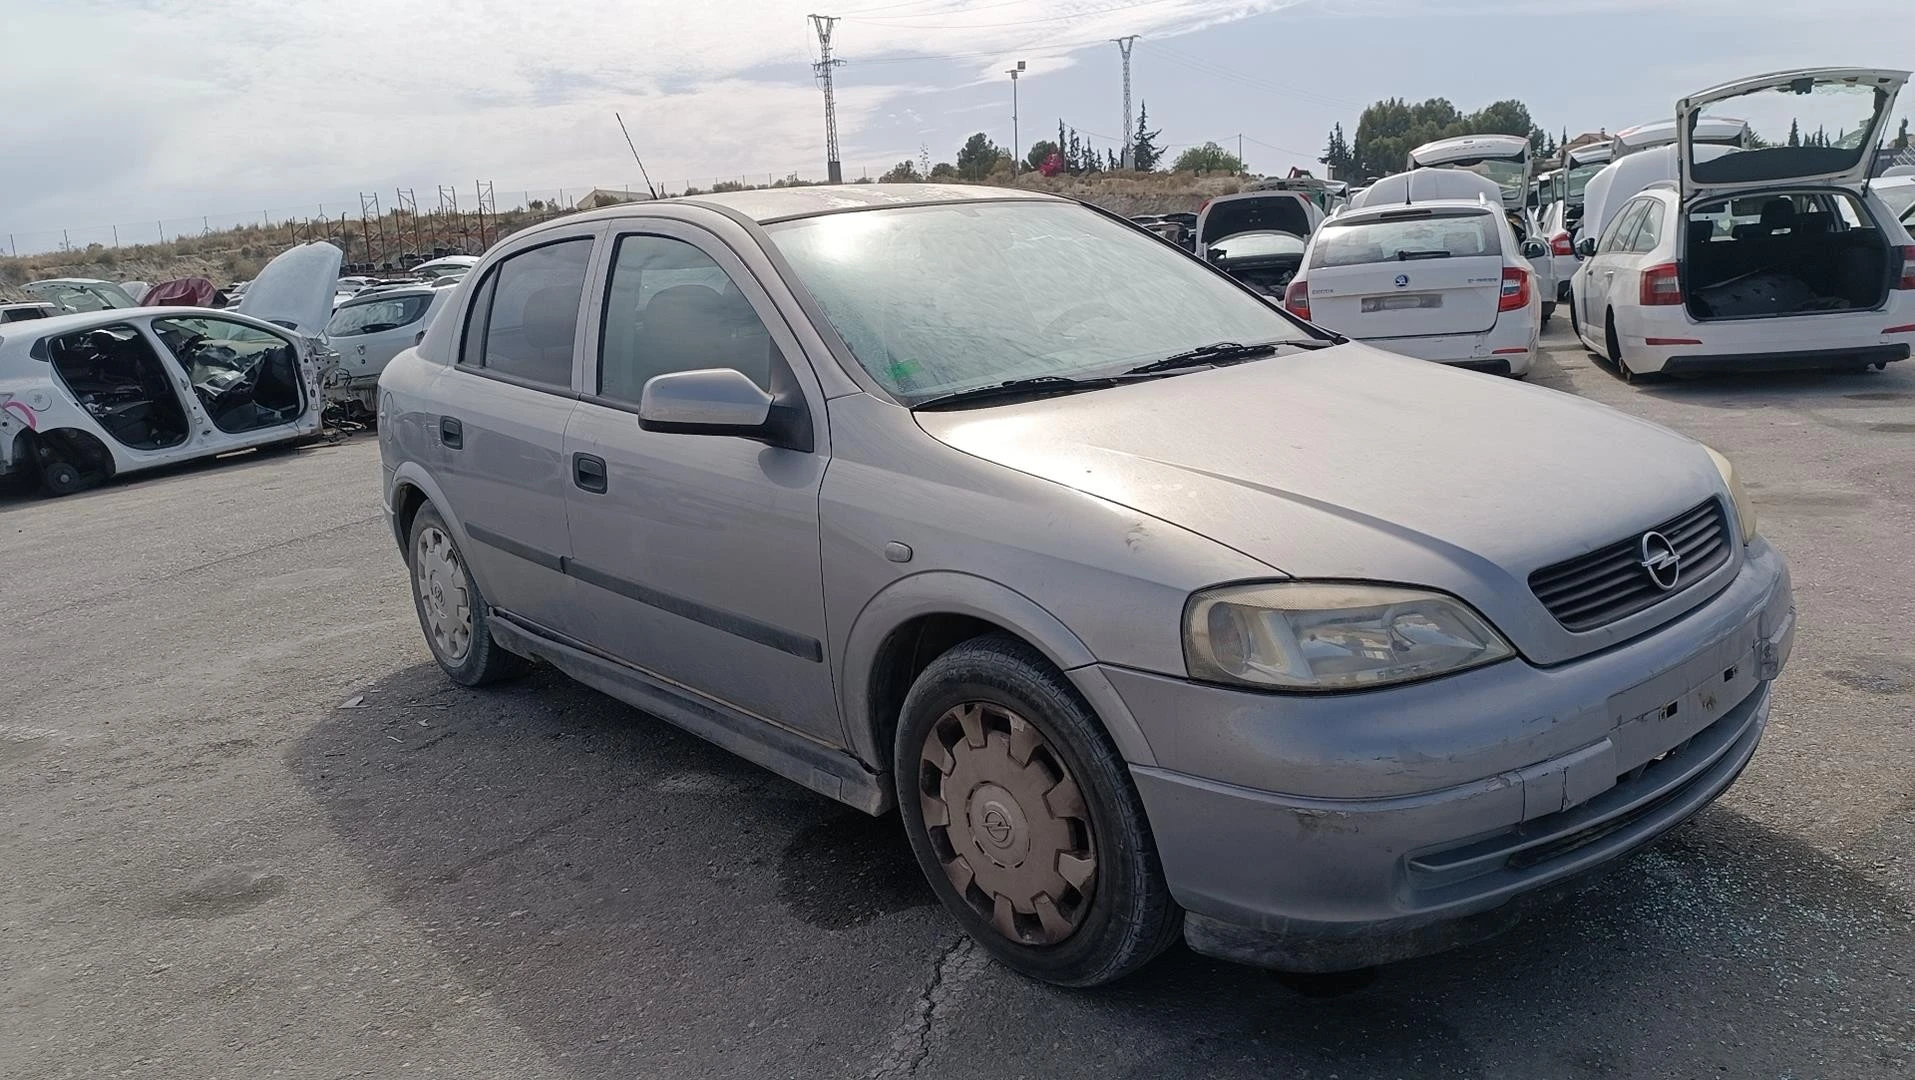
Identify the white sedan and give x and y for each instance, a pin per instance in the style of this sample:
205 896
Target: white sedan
1441 279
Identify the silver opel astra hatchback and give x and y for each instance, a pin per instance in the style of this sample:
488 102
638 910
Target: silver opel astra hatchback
1152 609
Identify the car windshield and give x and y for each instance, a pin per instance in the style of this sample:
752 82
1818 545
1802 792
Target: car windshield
1405 235
936 299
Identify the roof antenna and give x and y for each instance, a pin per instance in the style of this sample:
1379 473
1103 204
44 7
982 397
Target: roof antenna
1409 186
653 192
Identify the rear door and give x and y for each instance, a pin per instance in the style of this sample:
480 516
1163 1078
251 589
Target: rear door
368 332
1608 265
500 440
1409 272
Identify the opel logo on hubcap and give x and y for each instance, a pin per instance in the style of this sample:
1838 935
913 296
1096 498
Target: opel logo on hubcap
997 826
1660 560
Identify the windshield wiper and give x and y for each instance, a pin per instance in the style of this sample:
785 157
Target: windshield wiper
1034 387
1406 256
1217 352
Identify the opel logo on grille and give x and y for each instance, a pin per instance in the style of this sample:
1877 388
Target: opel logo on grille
1660 560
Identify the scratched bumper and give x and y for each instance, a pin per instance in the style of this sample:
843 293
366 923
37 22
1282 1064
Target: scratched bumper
1612 751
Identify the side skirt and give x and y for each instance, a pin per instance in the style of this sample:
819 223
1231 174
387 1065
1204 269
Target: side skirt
823 769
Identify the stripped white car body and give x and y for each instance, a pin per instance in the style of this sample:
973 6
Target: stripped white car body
50 429
1777 258
1471 303
1503 160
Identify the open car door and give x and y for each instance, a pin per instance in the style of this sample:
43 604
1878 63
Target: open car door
1814 126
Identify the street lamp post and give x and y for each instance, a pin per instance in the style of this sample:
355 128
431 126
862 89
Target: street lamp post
1014 73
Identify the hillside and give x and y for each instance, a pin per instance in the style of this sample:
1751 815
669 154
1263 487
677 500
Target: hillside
237 254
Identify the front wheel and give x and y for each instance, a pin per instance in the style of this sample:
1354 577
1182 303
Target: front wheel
452 612
1024 819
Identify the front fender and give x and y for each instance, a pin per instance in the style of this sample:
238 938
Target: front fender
412 474
946 592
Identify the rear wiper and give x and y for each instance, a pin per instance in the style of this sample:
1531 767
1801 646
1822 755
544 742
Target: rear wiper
1034 387
1406 256
1218 352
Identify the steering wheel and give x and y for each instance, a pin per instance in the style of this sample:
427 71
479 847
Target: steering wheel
1078 313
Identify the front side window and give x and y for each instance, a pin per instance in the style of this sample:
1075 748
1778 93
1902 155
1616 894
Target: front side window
670 308
375 316
524 320
935 299
1403 235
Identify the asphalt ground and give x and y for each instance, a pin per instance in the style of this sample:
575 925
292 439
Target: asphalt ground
247 829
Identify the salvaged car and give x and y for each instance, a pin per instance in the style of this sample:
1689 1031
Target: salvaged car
370 329
1155 611
79 294
1505 160
1774 258
1257 237
1427 265
84 397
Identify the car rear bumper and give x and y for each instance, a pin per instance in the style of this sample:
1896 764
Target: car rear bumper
1333 881
1803 360
1500 351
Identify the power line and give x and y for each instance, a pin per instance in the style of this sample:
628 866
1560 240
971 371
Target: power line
1021 22
1053 47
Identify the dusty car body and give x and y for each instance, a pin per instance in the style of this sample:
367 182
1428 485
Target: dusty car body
88 396
983 505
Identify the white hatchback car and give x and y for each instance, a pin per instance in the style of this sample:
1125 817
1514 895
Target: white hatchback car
1777 258
369 330
1436 276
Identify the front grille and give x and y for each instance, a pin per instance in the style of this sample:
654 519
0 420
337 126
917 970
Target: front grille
1611 583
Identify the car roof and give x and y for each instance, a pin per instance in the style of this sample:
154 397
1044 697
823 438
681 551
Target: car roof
1361 215
779 204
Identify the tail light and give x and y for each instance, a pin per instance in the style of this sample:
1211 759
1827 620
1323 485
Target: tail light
1515 295
1296 299
1908 269
1660 287
1560 244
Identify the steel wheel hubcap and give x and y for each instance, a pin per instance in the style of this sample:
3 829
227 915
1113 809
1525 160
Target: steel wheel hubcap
440 579
1008 823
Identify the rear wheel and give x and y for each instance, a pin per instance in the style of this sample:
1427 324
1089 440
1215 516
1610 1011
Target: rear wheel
1614 345
61 477
1024 819
452 612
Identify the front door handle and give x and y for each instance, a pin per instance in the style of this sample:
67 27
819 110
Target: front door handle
588 473
451 433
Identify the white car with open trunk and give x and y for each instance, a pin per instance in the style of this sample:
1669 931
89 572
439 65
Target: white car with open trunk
1425 264
1774 258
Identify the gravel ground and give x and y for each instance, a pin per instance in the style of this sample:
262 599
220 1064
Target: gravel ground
250 830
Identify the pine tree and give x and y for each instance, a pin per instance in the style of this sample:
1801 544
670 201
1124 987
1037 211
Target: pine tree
1795 134
1144 151
1337 156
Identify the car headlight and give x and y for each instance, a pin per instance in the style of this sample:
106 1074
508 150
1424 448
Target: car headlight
1332 636
1744 509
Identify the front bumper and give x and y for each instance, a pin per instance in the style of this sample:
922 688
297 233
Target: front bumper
1368 868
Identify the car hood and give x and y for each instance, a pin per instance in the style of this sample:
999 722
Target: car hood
1353 463
296 289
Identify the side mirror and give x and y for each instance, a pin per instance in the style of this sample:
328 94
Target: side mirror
712 401
1586 246
1534 249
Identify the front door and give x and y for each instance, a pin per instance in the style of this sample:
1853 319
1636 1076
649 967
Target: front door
498 449
696 556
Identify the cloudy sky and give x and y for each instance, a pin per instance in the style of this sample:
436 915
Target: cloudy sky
130 113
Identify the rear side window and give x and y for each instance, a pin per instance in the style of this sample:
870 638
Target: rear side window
524 319
1650 234
1616 237
1431 235
373 316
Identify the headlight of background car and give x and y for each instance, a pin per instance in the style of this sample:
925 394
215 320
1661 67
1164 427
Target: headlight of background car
1321 636
1744 509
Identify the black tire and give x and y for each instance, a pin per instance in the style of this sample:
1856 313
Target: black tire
1614 345
1129 917
1549 309
59 477
483 660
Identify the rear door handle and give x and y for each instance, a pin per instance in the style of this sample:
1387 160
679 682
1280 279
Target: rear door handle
588 473
451 433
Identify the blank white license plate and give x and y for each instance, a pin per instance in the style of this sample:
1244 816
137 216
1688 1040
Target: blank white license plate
1403 302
